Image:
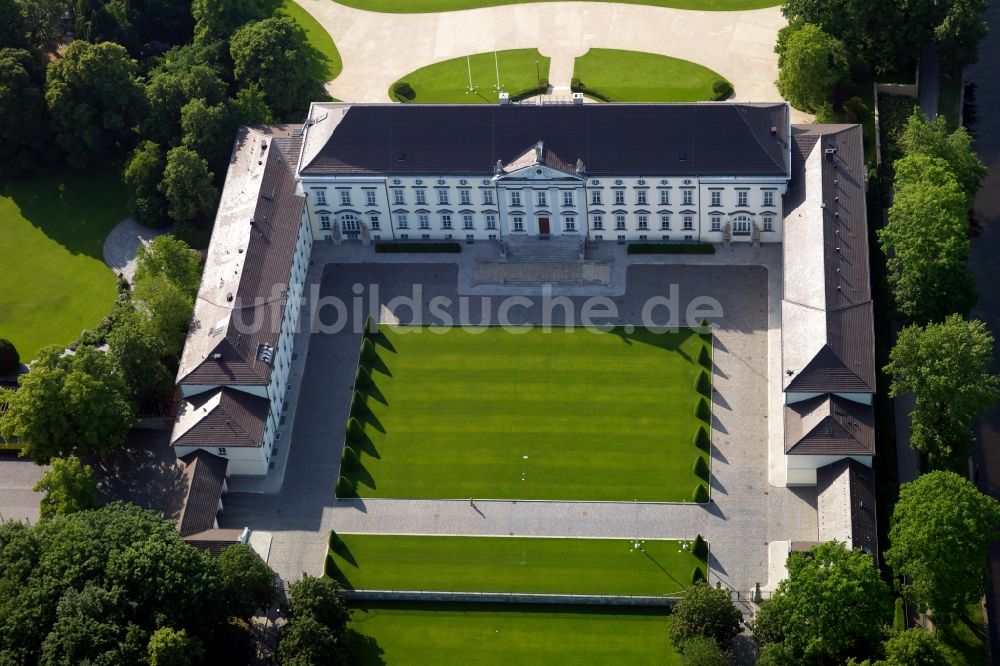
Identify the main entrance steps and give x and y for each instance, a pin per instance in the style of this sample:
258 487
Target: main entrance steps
553 249
558 260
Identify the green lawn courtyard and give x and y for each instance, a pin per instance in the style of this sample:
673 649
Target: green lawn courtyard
544 415
329 63
634 76
512 564
505 634
55 283
422 6
447 82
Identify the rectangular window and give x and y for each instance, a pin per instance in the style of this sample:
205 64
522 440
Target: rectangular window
424 221
467 222
421 196
640 197
442 197
595 197
768 223
465 196
374 223
518 223
345 197
324 222
716 223
598 222
570 223
664 221
401 221
688 222
619 222
643 222
741 198
664 197
619 197
491 221
487 197
716 198
515 198
221 450
768 198
397 197
567 197
369 197
446 221
688 197
321 197
542 199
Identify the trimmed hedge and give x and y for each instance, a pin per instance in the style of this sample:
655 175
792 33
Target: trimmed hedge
358 406
697 576
700 548
704 358
671 248
391 247
703 384
345 488
403 91
541 89
355 431
898 616
576 85
700 468
10 360
722 89
349 459
703 410
700 494
702 439
368 352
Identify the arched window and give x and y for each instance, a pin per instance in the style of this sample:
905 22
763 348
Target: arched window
742 225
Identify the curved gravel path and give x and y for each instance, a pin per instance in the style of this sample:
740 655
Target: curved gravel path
122 244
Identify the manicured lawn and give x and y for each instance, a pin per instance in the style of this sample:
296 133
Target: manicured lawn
419 6
53 280
634 76
505 634
329 58
557 415
512 564
447 82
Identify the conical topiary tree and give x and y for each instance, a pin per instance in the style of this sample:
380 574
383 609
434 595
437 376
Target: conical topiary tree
700 468
362 379
700 548
349 459
368 353
703 384
10 360
355 431
700 494
697 576
371 326
704 358
704 330
702 410
344 487
335 542
358 406
702 439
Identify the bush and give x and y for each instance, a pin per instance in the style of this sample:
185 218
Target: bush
703 410
723 89
702 439
702 651
335 542
10 360
358 406
349 459
671 248
703 384
700 468
355 431
899 617
704 612
345 488
540 89
704 357
700 494
362 380
700 548
396 247
403 91
697 576
368 352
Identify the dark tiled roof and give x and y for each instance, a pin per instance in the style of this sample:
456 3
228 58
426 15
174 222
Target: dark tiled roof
206 475
829 425
846 363
223 417
858 506
214 541
614 139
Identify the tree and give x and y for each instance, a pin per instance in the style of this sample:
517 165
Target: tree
171 85
208 131
810 65
106 21
143 174
807 619
187 185
167 310
958 33
70 486
217 20
941 530
10 360
169 647
137 351
926 242
163 20
705 611
248 107
247 581
932 138
319 598
87 630
947 365
69 405
702 651
22 111
170 258
306 642
275 55
43 21
914 647
13 26
94 101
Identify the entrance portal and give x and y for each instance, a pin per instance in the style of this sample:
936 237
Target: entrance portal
543 226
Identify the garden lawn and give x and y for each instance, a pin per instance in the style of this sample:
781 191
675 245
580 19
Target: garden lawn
505 634
328 61
512 564
634 76
53 279
558 415
422 6
447 82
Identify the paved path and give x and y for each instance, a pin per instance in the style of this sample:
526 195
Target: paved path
379 48
930 81
122 244
17 477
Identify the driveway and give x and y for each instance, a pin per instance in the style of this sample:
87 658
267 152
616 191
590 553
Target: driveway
17 476
379 48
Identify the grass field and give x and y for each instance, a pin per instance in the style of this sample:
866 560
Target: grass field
512 564
420 6
504 634
447 82
633 76
552 415
53 281
330 64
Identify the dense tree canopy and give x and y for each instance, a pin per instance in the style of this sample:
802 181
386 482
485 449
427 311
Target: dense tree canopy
705 611
187 185
70 486
810 65
941 530
217 20
138 352
170 647
207 130
94 101
247 582
69 405
315 633
169 87
833 605
914 647
22 111
143 174
170 258
922 137
167 311
947 365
